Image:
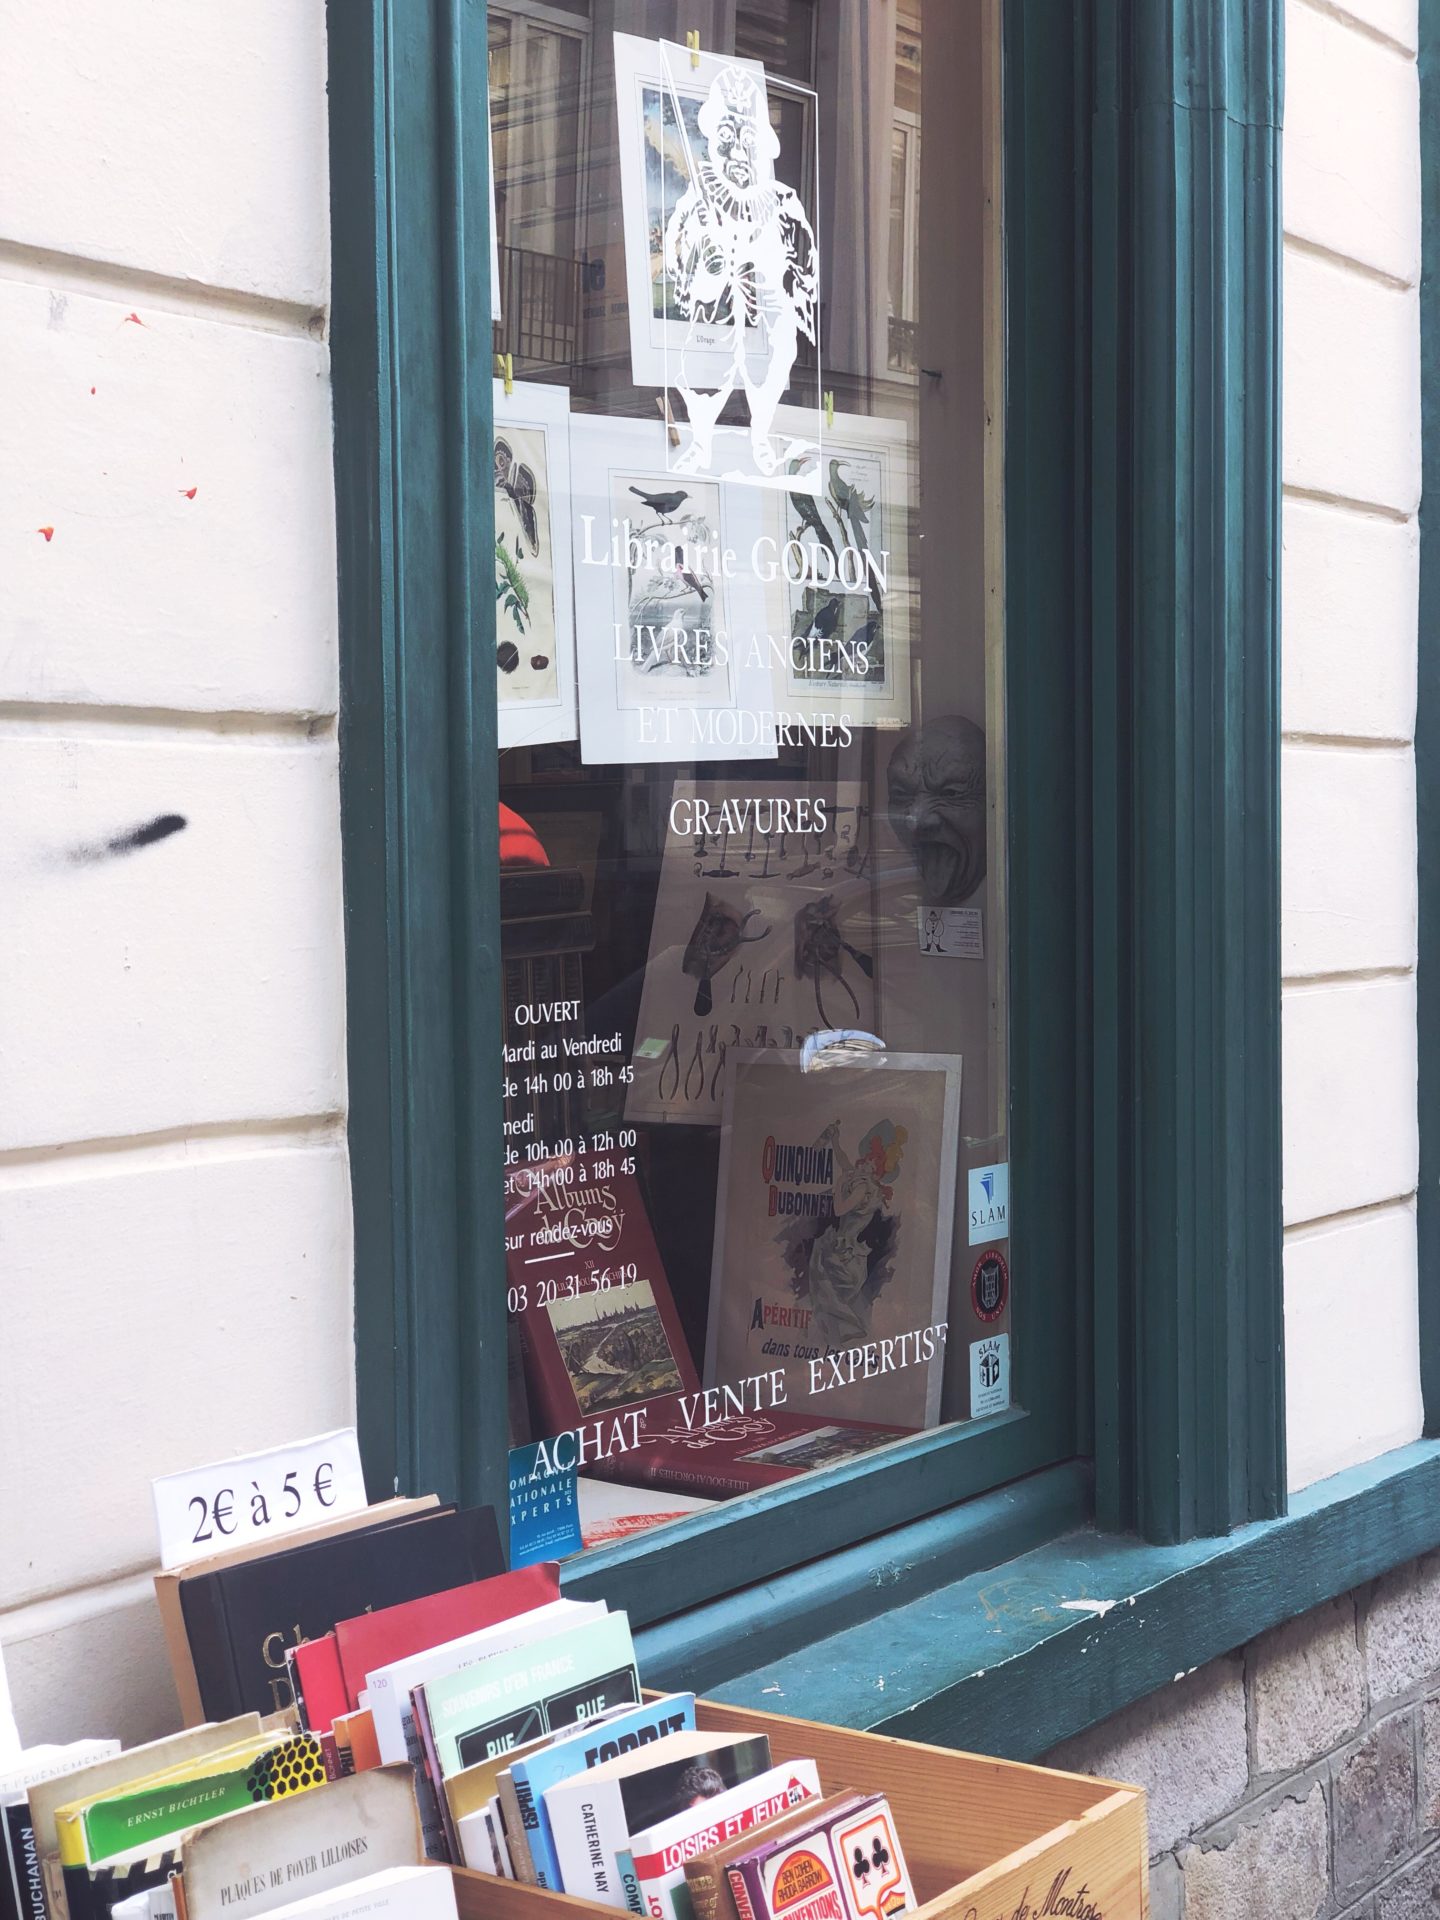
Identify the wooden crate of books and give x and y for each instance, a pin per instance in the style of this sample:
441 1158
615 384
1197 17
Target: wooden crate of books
984 1839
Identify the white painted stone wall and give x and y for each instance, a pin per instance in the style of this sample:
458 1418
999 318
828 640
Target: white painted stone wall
174 1219
1350 584
174 1213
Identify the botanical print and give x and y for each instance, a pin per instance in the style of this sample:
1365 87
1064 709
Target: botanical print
833 1227
524 568
534 592
671 561
847 589
841 602
614 1346
672 658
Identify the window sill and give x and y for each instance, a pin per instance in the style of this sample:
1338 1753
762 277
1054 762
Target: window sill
1013 1658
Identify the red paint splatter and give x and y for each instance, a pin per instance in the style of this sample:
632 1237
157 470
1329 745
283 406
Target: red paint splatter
132 320
92 389
49 533
189 492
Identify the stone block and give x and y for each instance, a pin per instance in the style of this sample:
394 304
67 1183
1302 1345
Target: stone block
1167 1889
1349 609
1347 859
1278 1864
1351 385
98 1671
1186 1745
193 977
1413 1894
128 137
1373 1799
1343 1404
1307 1687
1350 1067
1352 144
1430 1765
145 596
205 1300
1402 1629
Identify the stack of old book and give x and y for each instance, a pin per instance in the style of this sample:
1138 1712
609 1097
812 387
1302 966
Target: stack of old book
381 1701
234 1819
535 1757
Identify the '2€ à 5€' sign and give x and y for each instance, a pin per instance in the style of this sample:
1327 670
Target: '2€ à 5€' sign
206 1510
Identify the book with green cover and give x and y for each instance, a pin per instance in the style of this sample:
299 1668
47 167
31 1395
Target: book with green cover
512 1698
122 1822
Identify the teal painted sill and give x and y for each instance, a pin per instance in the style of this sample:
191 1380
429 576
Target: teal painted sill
1022 1652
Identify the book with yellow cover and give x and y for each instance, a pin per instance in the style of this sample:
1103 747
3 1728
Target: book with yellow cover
137 1763
121 1818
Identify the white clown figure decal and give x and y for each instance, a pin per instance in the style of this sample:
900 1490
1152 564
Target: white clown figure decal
740 254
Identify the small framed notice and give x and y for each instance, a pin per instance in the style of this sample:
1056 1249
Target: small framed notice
258 1497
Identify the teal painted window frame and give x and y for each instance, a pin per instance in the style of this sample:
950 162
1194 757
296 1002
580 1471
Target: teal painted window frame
987 1649
1427 727
1142 287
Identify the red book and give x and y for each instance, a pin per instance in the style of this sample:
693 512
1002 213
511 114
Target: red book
597 1320
329 1672
664 1445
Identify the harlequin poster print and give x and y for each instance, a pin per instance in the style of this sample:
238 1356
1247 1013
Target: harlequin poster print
655 169
534 598
834 1218
721 262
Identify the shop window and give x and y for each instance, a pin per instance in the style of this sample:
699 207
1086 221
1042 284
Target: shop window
750 660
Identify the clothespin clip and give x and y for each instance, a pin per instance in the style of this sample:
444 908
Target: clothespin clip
662 405
829 406
505 367
692 41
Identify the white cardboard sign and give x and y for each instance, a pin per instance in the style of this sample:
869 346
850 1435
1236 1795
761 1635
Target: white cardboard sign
261 1496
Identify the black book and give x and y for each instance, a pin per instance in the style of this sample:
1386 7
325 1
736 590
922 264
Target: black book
526 891
549 933
240 1619
24 1895
90 1892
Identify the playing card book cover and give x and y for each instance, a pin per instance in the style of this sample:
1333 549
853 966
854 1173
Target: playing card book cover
833 1223
847 1866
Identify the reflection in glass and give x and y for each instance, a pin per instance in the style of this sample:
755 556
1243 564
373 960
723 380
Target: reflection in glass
752 836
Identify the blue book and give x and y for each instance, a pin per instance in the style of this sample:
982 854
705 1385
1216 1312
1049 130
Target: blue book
587 1747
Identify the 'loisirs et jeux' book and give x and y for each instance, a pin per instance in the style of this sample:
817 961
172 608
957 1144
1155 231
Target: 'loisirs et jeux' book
593 1815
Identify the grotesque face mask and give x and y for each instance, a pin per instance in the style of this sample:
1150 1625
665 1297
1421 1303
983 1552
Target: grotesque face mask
937 806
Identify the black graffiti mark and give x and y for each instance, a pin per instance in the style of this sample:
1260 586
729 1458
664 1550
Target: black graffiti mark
160 828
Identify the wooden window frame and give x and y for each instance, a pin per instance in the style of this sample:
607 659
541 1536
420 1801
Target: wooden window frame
1142 257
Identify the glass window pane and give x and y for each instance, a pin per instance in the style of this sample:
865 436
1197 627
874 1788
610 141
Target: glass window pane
750 683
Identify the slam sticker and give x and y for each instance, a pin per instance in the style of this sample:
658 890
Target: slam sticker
989 1375
989 1203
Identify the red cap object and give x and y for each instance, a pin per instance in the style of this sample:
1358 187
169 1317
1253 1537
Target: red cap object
519 844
